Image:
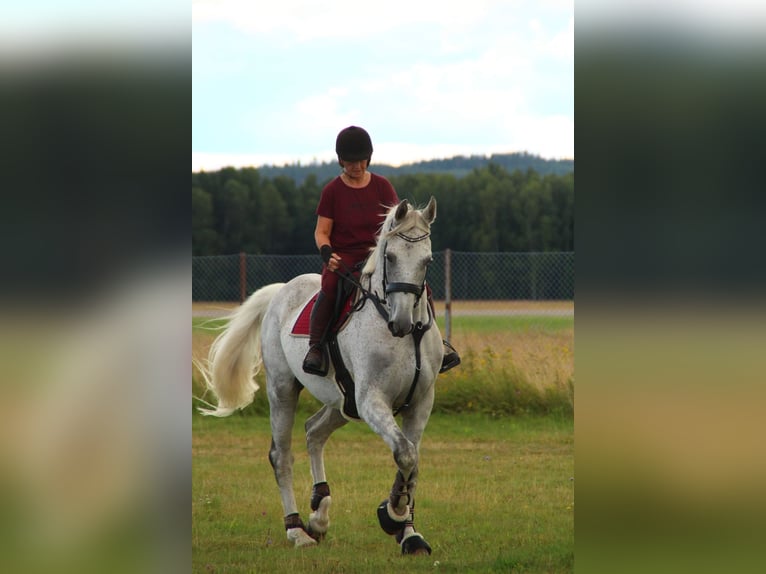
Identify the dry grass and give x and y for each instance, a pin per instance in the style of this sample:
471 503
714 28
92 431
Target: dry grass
543 356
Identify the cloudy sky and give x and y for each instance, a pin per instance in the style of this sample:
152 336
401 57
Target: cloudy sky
273 82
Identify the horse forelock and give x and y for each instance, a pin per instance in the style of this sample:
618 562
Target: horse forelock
412 220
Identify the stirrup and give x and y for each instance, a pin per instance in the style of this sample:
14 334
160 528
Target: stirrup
451 359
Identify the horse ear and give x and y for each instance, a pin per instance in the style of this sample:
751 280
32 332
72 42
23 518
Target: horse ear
429 213
401 211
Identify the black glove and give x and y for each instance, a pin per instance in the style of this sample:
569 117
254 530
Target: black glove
326 252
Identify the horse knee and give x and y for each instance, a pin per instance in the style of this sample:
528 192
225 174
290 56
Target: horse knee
278 460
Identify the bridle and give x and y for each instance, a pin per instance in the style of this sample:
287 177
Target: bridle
388 288
401 287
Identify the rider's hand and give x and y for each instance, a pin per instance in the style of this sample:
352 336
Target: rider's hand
330 259
334 262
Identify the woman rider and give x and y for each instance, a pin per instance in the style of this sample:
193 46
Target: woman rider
351 209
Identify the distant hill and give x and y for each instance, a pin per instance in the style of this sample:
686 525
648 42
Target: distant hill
458 166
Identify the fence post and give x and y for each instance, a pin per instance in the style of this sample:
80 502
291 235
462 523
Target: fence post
447 293
242 277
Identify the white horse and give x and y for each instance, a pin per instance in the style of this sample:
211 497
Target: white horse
391 347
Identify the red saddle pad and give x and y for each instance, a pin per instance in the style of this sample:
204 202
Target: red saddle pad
301 327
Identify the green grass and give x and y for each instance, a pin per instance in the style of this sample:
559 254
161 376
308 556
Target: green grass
494 495
473 323
506 323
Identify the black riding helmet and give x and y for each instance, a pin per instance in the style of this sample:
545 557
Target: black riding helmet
353 144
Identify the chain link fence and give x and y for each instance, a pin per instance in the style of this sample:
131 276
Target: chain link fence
472 276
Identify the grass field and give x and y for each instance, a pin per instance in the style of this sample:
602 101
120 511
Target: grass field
494 495
496 488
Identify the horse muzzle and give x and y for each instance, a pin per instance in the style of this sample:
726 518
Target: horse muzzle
398 329
400 316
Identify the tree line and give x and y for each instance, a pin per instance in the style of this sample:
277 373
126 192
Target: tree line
459 166
490 209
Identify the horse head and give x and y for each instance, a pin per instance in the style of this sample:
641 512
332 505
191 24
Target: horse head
404 253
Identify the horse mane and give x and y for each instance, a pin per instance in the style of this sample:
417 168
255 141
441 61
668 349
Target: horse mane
412 220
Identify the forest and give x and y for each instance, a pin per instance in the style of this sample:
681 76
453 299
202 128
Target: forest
483 206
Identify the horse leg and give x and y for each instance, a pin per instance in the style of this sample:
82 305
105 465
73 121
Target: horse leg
319 427
414 422
283 399
396 512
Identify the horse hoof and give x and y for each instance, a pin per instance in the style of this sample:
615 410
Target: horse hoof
389 521
300 537
415 545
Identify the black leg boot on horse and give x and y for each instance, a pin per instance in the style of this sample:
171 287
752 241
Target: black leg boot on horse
315 362
451 358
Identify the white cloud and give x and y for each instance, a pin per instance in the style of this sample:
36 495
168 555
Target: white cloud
562 44
308 19
481 80
324 108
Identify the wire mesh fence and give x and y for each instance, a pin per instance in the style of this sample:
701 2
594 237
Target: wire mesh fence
468 276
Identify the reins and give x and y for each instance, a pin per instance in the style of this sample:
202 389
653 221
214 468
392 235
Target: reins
366 294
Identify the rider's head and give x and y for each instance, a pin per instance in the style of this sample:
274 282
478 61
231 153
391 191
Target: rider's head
353 144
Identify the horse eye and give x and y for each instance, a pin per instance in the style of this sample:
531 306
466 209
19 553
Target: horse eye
391 258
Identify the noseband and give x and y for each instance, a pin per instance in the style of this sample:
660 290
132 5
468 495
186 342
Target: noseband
398 287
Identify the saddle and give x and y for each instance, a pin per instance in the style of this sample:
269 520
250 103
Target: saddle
341 314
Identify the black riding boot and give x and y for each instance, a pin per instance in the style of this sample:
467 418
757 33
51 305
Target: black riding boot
451 358
315 363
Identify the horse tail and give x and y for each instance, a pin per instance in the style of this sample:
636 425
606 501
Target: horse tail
235 355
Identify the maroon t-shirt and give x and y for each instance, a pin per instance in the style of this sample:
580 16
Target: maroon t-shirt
356 213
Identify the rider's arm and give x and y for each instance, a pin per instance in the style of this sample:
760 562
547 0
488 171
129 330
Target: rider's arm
322 237
322 231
